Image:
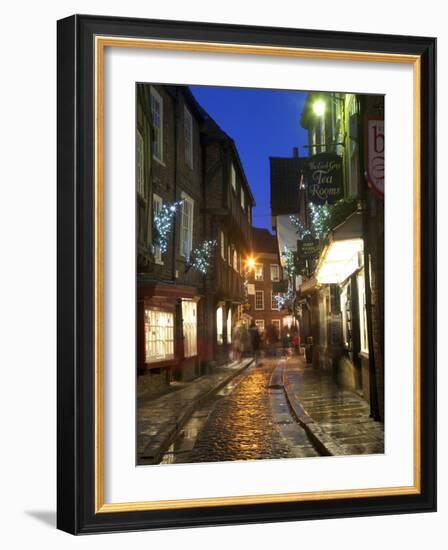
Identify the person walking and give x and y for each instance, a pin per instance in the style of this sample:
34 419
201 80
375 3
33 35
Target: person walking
255 341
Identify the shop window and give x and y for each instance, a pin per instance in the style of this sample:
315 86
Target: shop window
159 335
229 326
259 323
219 325
364 344
190 327
276 325
346 319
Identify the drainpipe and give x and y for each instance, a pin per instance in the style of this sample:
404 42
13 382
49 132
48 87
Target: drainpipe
374 408
175 243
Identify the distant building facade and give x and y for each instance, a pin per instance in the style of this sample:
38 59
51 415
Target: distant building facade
266 281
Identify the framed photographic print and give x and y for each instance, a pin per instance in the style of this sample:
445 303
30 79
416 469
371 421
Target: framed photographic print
246 274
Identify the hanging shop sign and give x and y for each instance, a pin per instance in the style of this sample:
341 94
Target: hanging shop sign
251 289
323 173
307 248
374 153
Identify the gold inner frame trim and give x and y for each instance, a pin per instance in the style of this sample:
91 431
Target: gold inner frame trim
101 42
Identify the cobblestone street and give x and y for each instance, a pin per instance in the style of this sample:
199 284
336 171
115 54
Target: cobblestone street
248 419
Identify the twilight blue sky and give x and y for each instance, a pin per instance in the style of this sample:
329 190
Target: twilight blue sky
263 124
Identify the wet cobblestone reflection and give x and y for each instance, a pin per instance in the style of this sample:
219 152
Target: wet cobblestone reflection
247 420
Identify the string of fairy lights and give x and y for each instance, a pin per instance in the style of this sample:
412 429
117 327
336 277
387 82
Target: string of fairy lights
200 258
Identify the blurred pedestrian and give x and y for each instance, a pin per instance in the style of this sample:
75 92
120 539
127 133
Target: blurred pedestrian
272 338
255 341
286 341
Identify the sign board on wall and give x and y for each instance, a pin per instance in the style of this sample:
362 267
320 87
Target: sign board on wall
374 145
307 248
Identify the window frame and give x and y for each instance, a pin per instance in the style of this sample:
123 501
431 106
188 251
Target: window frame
157 144
259 292
188 143
186 200
157 199
259 279
233 177
277 307
277 279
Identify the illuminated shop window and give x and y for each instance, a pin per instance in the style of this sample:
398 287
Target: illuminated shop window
219 325
190 327
229 326
362 312
159 335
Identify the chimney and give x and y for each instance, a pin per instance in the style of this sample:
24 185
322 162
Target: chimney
295 152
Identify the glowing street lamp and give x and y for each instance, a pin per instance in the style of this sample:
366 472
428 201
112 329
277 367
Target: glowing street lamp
250 262
319 107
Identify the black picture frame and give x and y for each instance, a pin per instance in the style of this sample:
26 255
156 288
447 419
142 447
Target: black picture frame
76 274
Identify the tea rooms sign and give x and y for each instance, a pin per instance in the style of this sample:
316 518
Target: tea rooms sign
324 178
